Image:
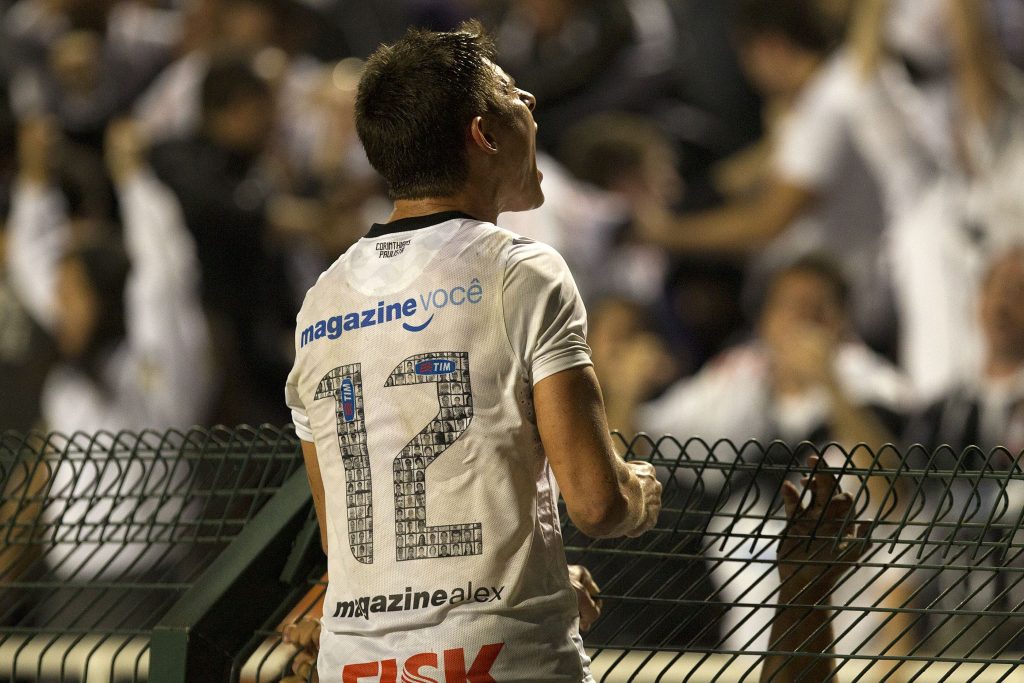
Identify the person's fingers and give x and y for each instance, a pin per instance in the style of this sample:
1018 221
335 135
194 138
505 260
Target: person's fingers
861 543
838 508
303 664
305 634
589 612
823 487
587 581
791 499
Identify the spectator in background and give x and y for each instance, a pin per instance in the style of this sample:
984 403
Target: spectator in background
25 350
224 191
274 35
127 321
631 361
939 116
629 158
84 62
977 425
585 57
604 161
987 411
805 378
816 194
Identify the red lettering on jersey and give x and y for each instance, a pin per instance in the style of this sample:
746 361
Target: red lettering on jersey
479 672
454 668
415 663
353 672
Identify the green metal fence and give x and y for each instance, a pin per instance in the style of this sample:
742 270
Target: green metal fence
176 557
113 563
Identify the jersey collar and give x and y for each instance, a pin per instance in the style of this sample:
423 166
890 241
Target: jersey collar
414 223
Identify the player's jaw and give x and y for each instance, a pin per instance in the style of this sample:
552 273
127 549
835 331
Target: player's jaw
528 194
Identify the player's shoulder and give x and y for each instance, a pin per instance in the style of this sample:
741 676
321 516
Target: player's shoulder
518 252
528 253
327 280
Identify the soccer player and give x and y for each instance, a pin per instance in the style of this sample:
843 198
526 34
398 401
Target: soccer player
441 349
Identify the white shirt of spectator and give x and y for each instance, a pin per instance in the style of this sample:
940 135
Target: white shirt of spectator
158 378
731 397
940 222
813 149
512 317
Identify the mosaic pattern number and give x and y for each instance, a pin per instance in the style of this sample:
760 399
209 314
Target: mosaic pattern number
417 540
345 384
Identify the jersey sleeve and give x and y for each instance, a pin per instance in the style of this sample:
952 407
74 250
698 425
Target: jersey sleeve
294 402
37 236
545 319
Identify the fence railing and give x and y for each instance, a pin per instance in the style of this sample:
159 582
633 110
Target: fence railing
104 536
105 539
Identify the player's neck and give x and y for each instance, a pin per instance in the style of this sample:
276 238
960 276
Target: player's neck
408 208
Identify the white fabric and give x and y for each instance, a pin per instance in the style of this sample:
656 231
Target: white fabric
730 398
942 222
158 378
813 149
170 106
442 487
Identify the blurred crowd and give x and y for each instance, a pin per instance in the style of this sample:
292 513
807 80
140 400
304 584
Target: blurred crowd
790 219
799 220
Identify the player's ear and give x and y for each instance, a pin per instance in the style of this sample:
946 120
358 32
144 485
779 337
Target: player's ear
483 140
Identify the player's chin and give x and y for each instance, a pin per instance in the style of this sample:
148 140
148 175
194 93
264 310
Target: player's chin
528 200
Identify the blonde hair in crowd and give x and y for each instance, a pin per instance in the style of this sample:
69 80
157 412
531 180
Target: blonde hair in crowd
976 59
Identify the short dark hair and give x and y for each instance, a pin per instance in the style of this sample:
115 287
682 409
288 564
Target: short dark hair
229 81
415 99
821 266
802 22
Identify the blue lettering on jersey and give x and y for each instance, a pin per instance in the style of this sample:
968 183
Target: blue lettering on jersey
436 299
436 366
348 400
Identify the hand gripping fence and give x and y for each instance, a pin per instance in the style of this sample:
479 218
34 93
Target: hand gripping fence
106 567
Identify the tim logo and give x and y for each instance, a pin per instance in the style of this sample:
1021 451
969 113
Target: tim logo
436 366
427 667
348 400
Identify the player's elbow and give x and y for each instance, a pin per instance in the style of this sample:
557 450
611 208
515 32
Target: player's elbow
601 516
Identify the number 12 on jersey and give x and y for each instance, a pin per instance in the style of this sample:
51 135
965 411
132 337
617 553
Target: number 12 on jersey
415 539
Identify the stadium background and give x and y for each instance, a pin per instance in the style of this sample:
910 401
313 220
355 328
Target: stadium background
664 124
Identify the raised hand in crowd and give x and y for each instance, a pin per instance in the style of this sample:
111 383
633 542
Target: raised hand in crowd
819 544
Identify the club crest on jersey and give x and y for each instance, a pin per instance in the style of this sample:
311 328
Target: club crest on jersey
348 400
430 302
435 366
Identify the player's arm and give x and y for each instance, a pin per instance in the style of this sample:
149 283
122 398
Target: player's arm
605 496
316 486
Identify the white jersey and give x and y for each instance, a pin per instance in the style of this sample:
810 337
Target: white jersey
416 354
